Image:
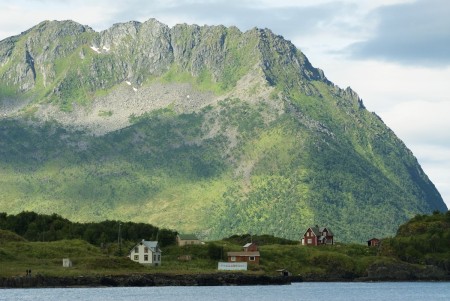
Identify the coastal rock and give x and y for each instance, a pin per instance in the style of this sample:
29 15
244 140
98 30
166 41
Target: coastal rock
401 271
140 280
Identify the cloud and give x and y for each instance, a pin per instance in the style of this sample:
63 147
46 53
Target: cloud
421 122
415 33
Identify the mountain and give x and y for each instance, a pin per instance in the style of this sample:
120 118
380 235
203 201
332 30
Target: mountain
202 129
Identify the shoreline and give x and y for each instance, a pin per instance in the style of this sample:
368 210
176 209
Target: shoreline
141 280
212 279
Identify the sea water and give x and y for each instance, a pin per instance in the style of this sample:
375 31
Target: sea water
410 291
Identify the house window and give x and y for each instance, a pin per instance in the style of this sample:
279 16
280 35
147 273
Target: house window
145 250
233 258
324 233
309 241
154 257
251 258
159 257
136 257
136 249
145 257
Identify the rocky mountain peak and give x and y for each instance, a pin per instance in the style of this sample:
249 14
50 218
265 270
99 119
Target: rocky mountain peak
134 51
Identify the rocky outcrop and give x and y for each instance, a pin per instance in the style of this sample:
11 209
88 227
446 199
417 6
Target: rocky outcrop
40 281
401 271
69 56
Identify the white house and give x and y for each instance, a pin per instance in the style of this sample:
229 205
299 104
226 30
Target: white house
146 252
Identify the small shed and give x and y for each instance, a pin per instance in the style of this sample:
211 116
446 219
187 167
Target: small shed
284 272
187 239
67 263
373 242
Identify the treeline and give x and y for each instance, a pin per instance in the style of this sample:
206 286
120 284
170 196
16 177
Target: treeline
41 227
261 240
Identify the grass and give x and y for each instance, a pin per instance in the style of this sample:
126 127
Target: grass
18 255
46 258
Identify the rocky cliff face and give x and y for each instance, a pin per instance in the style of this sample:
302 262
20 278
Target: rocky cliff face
52 54
203 129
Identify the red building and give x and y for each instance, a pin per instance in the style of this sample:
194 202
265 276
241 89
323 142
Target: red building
249 254
315 236
373 242
250 257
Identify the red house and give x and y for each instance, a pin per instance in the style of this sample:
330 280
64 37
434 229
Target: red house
315 236
373 242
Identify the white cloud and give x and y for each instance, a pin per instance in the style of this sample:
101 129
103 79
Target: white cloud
421 121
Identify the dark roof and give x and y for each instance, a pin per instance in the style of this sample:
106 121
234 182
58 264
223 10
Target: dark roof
318 231
188 236
330 233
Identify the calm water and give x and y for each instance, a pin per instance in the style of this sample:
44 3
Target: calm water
410 291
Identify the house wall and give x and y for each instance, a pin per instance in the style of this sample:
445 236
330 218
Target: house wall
244 259
310 239
330 239
252 248
373 242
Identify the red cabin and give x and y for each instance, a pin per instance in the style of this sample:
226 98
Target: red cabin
373 242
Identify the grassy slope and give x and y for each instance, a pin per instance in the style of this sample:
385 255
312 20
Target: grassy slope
46 258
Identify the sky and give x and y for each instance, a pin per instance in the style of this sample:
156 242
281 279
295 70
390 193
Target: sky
394 53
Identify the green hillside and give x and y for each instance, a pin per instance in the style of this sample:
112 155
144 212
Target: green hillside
272 148
425 239
419 251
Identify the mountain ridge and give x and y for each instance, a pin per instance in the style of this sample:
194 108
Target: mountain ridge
204 129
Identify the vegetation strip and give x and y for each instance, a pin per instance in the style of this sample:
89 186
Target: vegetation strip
419 251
